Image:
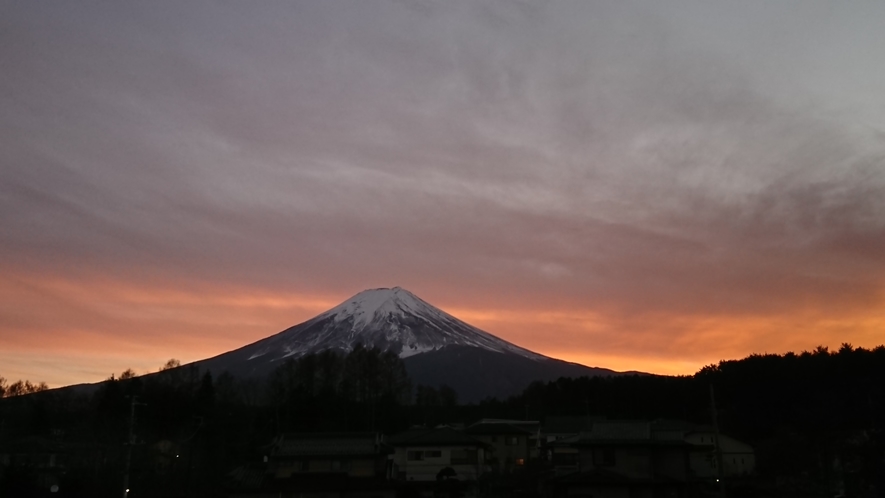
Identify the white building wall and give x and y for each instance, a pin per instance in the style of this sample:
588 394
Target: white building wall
428 467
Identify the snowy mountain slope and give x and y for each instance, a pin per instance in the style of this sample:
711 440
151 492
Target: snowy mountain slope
389 319
392 316
437 347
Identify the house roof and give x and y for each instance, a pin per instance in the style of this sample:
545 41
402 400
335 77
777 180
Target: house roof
497 429
443 436
330 444
629 433
531 426
568 425
247 477
672 425
507 421
565 441
607 430
728 443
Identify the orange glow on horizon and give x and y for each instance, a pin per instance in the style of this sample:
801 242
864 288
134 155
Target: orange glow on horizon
100 327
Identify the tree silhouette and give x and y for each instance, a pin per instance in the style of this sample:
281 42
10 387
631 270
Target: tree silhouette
169 365
356 389
20 387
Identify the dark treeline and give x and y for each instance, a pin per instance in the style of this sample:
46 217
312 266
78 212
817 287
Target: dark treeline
758 396
191 429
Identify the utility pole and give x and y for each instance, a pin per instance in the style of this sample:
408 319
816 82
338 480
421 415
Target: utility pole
716 442
131 442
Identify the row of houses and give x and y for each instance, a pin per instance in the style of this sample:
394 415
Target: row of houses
571 456
639 458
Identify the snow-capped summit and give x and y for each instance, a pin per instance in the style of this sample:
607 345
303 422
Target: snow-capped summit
391 319
369 304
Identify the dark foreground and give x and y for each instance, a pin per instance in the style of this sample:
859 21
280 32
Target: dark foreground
808 424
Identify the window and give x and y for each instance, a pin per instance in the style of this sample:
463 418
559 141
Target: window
415 456
464 457
565 458
520 461
433 454
511 440
604 457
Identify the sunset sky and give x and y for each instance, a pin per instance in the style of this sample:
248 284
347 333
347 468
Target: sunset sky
648 186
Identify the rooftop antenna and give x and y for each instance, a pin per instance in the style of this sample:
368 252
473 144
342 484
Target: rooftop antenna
716 443
132 404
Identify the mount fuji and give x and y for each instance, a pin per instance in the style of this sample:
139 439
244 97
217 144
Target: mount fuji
436 347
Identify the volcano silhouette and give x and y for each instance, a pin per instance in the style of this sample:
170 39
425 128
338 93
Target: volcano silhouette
437 348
